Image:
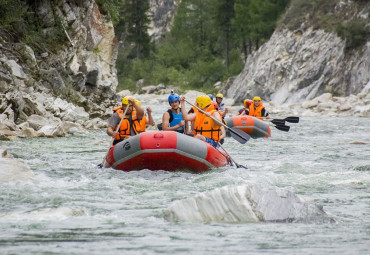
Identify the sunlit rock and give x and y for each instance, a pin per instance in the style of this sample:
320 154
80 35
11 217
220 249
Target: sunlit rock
95 123
247 203
51 131
26 130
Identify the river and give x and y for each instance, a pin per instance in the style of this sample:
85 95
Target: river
70 206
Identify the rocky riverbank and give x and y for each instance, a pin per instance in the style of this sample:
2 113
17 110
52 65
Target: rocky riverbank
56 117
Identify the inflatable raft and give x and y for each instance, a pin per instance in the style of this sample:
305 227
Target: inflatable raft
164 150
255 127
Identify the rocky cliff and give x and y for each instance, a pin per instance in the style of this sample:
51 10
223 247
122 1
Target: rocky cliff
162 15
52 93
295 66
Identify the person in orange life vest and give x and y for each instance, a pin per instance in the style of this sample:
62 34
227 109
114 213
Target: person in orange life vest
257 109
221 106
245 110
130 125
172 119
146 120
206 129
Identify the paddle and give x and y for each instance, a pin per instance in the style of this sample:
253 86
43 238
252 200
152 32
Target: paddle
236 164
124 114
282 127
237 134
291 119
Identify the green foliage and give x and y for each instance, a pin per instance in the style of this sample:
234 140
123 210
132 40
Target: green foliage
11 11
355 33
137 24
112 8
204 45
322 14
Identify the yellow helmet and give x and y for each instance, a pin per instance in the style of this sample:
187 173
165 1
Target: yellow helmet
125 100
138 102
220 95
256 98
203 101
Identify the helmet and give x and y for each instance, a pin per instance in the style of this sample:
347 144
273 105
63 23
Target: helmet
203 101
138 102
125 100
256 98
210 96
173 98
247 102
220 95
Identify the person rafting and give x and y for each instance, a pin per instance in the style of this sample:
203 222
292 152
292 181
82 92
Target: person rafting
245 111
257 109
213 102
146 120
221 106
121 129
206 129
172 119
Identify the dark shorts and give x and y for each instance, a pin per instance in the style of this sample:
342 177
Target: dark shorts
211 142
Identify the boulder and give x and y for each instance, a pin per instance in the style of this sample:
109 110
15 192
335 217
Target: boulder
51 131
245 203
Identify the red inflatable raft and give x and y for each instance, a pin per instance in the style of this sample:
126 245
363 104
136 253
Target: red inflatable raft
255 127
164 150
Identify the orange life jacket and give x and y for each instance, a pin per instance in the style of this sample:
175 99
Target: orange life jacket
127 123
256 112
205 126
143 124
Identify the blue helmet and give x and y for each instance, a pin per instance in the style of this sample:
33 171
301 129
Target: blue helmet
173 98
210 96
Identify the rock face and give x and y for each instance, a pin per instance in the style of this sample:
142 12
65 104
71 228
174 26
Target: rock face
295 66
248 203
162 15
71 85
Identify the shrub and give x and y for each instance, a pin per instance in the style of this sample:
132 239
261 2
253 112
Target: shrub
355 33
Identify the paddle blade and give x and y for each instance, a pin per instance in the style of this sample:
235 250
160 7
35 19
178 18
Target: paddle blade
292 119
282 127
240 166
278 122
239 135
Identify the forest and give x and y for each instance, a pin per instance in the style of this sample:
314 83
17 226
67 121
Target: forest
210 41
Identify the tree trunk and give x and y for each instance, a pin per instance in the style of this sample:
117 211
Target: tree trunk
244 45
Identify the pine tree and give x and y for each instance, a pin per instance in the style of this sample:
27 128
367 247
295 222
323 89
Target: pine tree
224 15
137 23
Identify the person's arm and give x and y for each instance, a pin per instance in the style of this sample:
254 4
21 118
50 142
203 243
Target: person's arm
185 115
113 121
139 110
166 123
223 132
187 127
226 110
149 120
216 115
